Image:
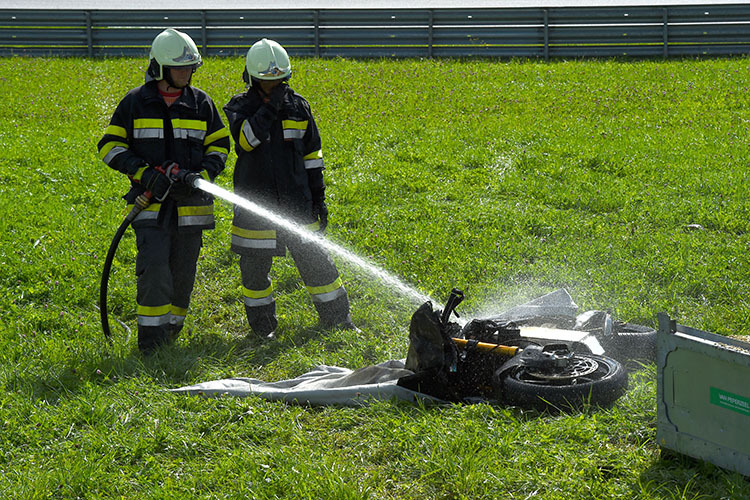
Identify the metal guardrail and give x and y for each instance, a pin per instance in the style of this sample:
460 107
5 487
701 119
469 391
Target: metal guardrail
642 31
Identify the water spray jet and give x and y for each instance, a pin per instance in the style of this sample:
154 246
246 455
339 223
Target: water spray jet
316 238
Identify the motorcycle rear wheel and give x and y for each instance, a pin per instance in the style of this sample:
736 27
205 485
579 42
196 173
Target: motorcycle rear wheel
589 380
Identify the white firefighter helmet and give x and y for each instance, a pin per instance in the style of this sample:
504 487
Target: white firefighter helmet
172 48
267 60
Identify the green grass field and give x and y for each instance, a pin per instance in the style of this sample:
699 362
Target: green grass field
624 182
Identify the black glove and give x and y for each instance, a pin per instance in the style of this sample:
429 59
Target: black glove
262 121
156 182
320 212
276 97
264 118
181 175
189 178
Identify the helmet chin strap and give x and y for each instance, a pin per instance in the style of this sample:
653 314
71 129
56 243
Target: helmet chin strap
167 74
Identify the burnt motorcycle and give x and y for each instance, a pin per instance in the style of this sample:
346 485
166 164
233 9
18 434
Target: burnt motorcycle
489 360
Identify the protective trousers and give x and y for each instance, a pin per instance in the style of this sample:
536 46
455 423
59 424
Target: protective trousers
319 274
165 268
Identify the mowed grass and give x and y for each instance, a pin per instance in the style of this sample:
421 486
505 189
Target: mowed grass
623 182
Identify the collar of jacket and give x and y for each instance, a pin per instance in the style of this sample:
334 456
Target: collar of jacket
186 100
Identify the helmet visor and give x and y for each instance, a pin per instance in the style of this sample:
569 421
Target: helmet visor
273 72
192 67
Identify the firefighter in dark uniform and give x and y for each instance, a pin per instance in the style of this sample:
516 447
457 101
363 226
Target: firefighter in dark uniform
280 166
158 130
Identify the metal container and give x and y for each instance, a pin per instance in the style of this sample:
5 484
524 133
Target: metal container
703 392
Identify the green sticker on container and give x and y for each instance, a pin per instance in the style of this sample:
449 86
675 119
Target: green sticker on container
730 401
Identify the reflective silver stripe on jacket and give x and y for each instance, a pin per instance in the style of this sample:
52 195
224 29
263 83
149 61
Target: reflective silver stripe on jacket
250 135
200 215
184 133
222 156
293 133
195 220
147 215
315 163
114 152
148 133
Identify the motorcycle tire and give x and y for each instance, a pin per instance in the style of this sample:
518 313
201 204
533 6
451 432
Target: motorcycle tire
631 342
592 380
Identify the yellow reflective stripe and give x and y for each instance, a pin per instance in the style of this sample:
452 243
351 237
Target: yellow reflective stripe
148 123
108 147
244 144
315 155
253 233
153 310
139 173
205 175
294 124
154 207
116 130
217 149
219 134
257 294
316 290
189 124
178 311
195 210
315 226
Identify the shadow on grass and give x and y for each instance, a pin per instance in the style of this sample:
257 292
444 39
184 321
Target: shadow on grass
170 365
674 475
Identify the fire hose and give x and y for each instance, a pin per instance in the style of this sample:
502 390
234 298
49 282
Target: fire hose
141 202
174 174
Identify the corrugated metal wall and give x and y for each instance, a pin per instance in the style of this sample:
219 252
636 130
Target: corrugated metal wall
514 32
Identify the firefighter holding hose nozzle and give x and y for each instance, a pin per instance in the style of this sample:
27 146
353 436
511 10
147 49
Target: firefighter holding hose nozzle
163 135
280 166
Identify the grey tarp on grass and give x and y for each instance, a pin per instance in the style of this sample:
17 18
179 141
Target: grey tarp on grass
324 385
333 385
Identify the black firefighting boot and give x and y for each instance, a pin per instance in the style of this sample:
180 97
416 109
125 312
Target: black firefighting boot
335 314
150 338
173 332
262 321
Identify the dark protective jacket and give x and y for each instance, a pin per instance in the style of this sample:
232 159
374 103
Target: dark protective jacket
144 131
279 166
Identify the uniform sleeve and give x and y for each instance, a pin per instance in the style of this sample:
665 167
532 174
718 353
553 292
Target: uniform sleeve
313 152
249 129
114 146
215 145
235 117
